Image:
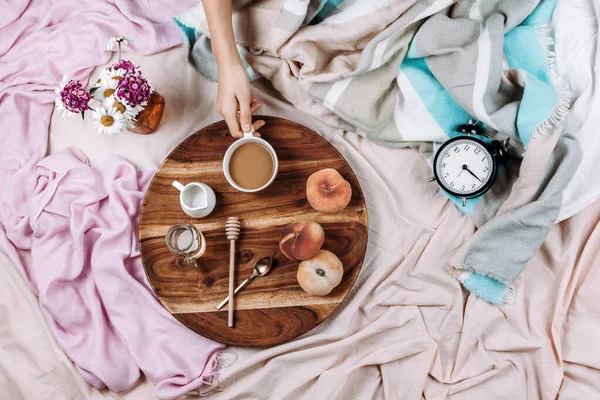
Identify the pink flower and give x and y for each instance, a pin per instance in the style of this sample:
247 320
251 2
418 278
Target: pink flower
126 65
134 90
72 97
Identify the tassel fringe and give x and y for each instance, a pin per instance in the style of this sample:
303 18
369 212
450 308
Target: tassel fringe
509 296
561 85
210 382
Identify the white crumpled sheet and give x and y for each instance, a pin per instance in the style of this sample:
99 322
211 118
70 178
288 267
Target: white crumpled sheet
406 330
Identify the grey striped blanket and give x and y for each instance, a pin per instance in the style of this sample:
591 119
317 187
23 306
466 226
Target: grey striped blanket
406 73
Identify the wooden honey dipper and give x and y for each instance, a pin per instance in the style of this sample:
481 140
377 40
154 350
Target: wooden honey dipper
232 229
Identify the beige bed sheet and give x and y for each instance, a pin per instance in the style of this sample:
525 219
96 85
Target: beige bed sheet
406 331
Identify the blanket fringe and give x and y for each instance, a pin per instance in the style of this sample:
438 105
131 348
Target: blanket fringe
509 297
210 383
462 271
456 272
562 87
547 41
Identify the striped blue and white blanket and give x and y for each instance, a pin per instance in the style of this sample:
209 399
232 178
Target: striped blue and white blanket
407 73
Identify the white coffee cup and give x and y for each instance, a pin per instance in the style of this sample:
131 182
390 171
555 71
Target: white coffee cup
249 138
196 199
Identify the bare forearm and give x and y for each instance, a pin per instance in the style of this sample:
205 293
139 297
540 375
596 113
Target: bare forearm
218 15
234 101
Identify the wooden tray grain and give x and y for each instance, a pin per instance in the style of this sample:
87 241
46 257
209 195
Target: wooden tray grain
271 309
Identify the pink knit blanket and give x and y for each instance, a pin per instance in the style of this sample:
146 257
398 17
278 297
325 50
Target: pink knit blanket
72 227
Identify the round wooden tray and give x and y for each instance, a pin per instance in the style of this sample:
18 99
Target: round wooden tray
271 309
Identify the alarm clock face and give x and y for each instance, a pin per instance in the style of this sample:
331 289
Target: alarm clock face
464 167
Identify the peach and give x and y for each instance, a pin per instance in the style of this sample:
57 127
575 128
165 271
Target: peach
320 274
301 240
327 191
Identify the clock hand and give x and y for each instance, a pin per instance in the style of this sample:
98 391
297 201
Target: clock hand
475 176
464 166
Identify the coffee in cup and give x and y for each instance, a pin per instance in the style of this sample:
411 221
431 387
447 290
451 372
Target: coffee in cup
250 164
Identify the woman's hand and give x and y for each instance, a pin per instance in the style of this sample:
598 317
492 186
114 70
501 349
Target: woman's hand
234 100
233 96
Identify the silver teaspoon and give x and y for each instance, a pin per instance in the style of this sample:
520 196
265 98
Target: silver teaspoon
261 268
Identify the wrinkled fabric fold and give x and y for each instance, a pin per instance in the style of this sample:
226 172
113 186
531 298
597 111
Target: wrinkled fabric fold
72 227
407 74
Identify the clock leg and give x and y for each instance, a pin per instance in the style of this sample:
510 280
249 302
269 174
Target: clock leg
464 201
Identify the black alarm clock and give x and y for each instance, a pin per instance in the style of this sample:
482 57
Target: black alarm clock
465 166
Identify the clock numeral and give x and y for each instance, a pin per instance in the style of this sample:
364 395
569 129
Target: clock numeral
446 175
473 186
443 165
483 159
452 184
456 150
467 147
477 150
486 169
462 187
447 154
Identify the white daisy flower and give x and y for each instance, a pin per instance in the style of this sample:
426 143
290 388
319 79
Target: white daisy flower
129 113
116 39
108 122
105 87
116 74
